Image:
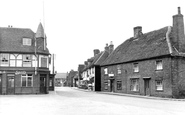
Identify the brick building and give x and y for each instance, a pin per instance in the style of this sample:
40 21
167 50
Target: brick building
70 78
24 61
92 70
152 63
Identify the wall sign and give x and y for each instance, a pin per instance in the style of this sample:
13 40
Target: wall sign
20 72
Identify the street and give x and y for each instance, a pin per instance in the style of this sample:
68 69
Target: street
70 101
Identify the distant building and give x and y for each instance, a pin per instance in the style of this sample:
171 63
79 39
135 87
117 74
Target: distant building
24 61
150 63
69 78
60 79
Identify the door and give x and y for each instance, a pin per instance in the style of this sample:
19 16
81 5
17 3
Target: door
147 86
0 84
43 84
10 84
112 85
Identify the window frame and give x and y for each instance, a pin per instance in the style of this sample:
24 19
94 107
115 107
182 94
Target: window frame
134 87
136 68
27 41
27 76
157 65
105 71
106 85
119 85
161 85
118 69
4 63
26 62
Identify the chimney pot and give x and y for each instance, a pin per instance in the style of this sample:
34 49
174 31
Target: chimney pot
137 31
111 47
107 48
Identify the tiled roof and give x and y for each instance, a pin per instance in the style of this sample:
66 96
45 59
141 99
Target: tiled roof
148 45
40 31
61 75
11 40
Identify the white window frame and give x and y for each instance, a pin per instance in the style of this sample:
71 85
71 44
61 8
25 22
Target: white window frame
135 67
119 83
26 41
119 69
159 65
159 87
106 71
134 86
3 56
27 76
27 62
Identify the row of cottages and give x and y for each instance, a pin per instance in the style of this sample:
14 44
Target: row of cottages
24 61
92 72
152 63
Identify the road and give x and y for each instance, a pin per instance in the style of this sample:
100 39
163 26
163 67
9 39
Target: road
70 101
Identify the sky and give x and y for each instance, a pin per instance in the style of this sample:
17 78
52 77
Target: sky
74 28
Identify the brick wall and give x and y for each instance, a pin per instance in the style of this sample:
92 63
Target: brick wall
147 69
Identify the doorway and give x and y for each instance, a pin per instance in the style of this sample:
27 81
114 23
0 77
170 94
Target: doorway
112 85
147 87
43 83
10 83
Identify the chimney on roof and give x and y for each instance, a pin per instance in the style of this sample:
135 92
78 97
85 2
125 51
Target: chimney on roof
96 51
85 63
107 48
137 31
111 47
178 31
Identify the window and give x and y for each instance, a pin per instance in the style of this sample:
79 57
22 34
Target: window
159 65
106 85
119 69
4 59
19 61
27 60
12 60
27 80
134 84
27 41
135 67
105 71
34 61
119 85
159 85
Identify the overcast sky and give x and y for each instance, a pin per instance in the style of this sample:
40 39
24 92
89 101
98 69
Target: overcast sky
74 28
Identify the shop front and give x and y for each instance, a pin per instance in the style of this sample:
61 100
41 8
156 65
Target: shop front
23 82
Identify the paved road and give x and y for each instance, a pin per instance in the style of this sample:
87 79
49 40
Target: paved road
69 101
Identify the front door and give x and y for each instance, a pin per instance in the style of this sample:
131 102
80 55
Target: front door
43 84
112 85
10 84
0 84
147 86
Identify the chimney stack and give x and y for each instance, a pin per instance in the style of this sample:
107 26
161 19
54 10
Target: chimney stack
178 31
111 47
96 51
107 48
137 31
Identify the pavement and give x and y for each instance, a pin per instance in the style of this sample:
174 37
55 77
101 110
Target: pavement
129 95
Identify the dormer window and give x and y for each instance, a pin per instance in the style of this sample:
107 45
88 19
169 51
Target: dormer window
27 41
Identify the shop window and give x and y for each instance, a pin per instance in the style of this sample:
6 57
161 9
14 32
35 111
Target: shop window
159 85
119 85
106 85
27 80
134 85
135 67
27 60
159 65
4 59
